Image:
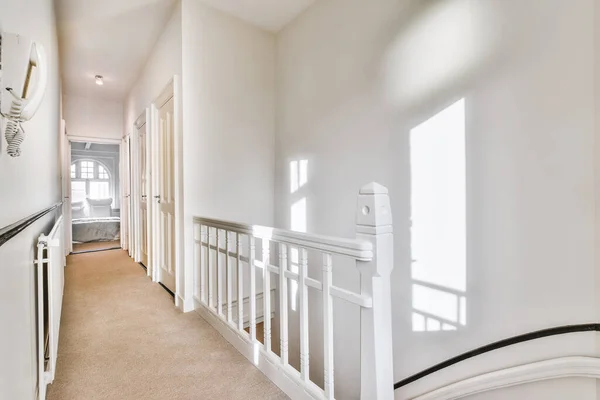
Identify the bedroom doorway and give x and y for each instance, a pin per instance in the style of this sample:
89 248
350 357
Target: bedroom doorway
95 196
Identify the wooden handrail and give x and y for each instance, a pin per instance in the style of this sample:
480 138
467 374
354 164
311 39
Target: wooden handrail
12 230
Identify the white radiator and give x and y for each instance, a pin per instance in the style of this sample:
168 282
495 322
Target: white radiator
50 282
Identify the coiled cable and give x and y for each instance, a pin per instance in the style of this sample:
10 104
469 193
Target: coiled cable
14 132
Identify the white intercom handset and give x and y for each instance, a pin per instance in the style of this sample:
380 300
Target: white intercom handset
23 79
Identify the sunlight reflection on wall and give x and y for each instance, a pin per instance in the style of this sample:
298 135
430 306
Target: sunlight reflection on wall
298 179
438 213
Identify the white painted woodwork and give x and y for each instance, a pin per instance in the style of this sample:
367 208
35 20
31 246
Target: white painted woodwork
303 315
51 259
66 185
210 269
229 280
374 224
252 254
125 180
283 304
166 194
328 326
144 228
372 253
240 280
557 368
266 255
219 277
155 239
202 260
135 186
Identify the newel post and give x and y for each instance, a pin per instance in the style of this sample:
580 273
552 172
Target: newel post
374 224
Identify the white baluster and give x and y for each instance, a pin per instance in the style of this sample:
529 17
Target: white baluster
252 288
229 279
303 313
327 326
374 223
283 303
203 237
209 266
219 277
240 282
266 255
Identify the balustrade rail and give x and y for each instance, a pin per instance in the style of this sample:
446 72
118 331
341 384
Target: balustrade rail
224 250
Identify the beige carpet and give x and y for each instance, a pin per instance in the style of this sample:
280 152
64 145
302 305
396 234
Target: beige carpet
122 338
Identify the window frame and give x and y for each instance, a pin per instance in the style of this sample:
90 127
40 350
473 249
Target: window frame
95 175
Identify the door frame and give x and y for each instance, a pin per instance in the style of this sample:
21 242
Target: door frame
66 186
143 119
125 179
171 90
67 175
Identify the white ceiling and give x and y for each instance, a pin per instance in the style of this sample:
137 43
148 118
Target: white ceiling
114 38
271 15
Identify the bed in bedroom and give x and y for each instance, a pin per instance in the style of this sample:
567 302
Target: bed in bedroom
93 221
96 229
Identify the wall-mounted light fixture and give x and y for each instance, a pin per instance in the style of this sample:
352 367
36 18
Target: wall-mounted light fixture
99 80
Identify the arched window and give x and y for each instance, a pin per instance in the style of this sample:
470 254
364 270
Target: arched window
89 179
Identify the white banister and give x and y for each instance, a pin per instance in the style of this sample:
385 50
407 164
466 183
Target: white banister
371 252
229 280
374 224
266 255
251 243
202 266
357 249
283 304
210 270
219 277
303 311
327 326
240 282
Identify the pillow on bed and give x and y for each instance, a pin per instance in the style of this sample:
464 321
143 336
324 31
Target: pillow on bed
78 209
99 207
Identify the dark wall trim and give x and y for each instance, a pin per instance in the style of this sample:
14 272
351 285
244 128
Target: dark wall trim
561 330
12 230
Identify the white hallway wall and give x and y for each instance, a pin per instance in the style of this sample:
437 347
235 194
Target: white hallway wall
93 117
164 62
28 184
228 121
354 78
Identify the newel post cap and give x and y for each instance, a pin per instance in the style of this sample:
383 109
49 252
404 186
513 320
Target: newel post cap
373 208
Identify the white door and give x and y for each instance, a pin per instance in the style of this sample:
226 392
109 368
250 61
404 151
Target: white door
143 179
166 194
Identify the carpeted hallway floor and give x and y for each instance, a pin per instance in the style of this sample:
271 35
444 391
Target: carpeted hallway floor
122 338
